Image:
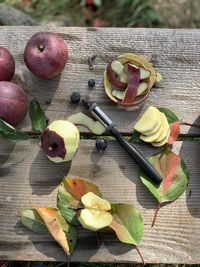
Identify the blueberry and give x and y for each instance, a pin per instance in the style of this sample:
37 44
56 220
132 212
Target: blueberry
75 97
91 83
101 144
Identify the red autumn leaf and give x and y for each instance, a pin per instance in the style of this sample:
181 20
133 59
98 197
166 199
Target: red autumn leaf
175 178
133 83
174 132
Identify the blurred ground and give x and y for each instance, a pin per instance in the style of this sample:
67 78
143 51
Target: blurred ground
115 13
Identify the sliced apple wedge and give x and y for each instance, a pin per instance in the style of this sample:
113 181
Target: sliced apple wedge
93 219
113 76
81 119
149 121
142 88
165 126
117 67
144 74
162 142
91 200
153 137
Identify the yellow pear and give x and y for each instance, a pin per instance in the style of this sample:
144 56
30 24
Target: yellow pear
150 121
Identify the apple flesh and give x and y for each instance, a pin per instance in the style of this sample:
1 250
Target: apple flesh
95 214
60 141
13 103
46 54
7 65
81 119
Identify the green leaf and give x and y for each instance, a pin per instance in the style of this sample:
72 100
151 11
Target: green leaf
174 173
64 233
127 223
171 117
32 220
10 133
37 116
135 138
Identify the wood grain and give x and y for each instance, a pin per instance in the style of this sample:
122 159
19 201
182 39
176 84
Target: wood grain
27 177
175 53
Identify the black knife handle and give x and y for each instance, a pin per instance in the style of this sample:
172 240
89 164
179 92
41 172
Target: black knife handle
137 156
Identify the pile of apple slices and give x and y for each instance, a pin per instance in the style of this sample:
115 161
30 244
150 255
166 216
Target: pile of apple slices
128 80
153 126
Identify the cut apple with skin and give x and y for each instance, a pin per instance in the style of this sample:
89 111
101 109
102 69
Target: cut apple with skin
81 119
91 200
112 77
140 90
149 121
93 219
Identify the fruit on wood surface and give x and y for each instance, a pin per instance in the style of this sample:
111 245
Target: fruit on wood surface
153 126
13 103
81 119
7 65
60 141
95 214
117 78
46 54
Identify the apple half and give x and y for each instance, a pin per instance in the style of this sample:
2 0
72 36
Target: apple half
95 215
147 74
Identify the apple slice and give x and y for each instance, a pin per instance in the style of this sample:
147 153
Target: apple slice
123 77
162 142
81 119
165 126
153 137
91 200
94 219
117 67
149 121
133 84
112 77
144 74
142 88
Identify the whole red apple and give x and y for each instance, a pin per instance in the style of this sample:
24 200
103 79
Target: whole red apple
7 65
13 103
46 54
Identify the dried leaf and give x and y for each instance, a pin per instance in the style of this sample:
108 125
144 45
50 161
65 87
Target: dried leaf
174 173
32 220
127 223
37 116
64 233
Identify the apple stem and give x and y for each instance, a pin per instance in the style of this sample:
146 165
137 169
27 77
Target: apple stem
155 214
140 254
190 124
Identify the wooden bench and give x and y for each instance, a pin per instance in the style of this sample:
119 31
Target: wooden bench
27 177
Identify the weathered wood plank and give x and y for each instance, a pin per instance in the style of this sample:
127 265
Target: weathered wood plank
175 53
28 177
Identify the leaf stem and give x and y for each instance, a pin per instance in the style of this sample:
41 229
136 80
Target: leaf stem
98 239
140 254
189 124
68 261
155 214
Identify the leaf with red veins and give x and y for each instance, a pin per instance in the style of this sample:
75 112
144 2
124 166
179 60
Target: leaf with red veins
174 132
174 173
133 83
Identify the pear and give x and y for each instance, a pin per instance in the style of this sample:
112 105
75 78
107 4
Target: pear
150 121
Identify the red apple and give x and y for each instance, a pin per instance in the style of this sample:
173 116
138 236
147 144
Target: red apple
13 103
7 65
46 54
